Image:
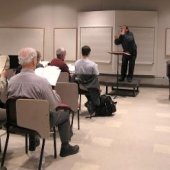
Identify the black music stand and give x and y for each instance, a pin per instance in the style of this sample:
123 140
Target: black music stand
118 53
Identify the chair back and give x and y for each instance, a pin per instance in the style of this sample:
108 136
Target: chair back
11 111
34 114
87 81
63 77
68 93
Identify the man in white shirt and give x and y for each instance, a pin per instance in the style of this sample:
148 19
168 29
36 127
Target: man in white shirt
88 72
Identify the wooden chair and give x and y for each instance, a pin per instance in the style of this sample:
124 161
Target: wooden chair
69 95
64 77
30 116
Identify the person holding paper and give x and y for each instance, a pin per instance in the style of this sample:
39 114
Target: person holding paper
4 66
30 85
3 81
126 39
3 86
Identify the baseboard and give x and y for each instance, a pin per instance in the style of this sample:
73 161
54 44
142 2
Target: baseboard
114 75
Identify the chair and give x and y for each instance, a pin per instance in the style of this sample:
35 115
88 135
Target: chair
86 84
69 95
29 116
63 77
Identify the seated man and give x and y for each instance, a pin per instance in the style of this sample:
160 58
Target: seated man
59 61
28 84
39 59
87 71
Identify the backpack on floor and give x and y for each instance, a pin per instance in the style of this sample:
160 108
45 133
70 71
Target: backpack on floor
107 106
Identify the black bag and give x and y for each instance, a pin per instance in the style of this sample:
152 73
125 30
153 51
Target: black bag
107 106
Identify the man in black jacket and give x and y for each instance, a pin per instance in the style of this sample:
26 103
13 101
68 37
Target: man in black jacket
126 39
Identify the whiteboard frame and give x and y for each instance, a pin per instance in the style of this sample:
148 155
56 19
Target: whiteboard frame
111 43
54 43
167 41
145 63
30 29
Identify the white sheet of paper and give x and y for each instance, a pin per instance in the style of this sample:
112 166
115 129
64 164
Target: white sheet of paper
51 73
44 63
71 68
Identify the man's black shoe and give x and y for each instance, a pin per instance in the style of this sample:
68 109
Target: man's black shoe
129 79
86 104
90 108
69 150
34 141
121 79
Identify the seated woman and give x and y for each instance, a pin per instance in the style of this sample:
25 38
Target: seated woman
87 74
3 89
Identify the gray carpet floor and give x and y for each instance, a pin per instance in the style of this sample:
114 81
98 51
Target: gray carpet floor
137 137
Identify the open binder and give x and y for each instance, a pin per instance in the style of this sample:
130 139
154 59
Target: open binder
51 73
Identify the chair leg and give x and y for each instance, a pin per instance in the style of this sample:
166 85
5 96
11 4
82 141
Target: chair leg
72 120
80 102
5 149
0 146
41 155
26 143
54 138
78 119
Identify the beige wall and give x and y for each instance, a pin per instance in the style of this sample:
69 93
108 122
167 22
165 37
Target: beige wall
38 14
98 19
145 19
50 14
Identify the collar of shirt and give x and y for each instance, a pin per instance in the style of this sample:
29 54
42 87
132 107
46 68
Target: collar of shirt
27 70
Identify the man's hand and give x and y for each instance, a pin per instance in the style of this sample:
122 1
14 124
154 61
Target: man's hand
122 31
116 37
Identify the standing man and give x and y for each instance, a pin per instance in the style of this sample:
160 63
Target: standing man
126 39
28 84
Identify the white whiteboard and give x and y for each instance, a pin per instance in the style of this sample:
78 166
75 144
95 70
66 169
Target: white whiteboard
100 41
13 39
66 38
167 43
145 40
